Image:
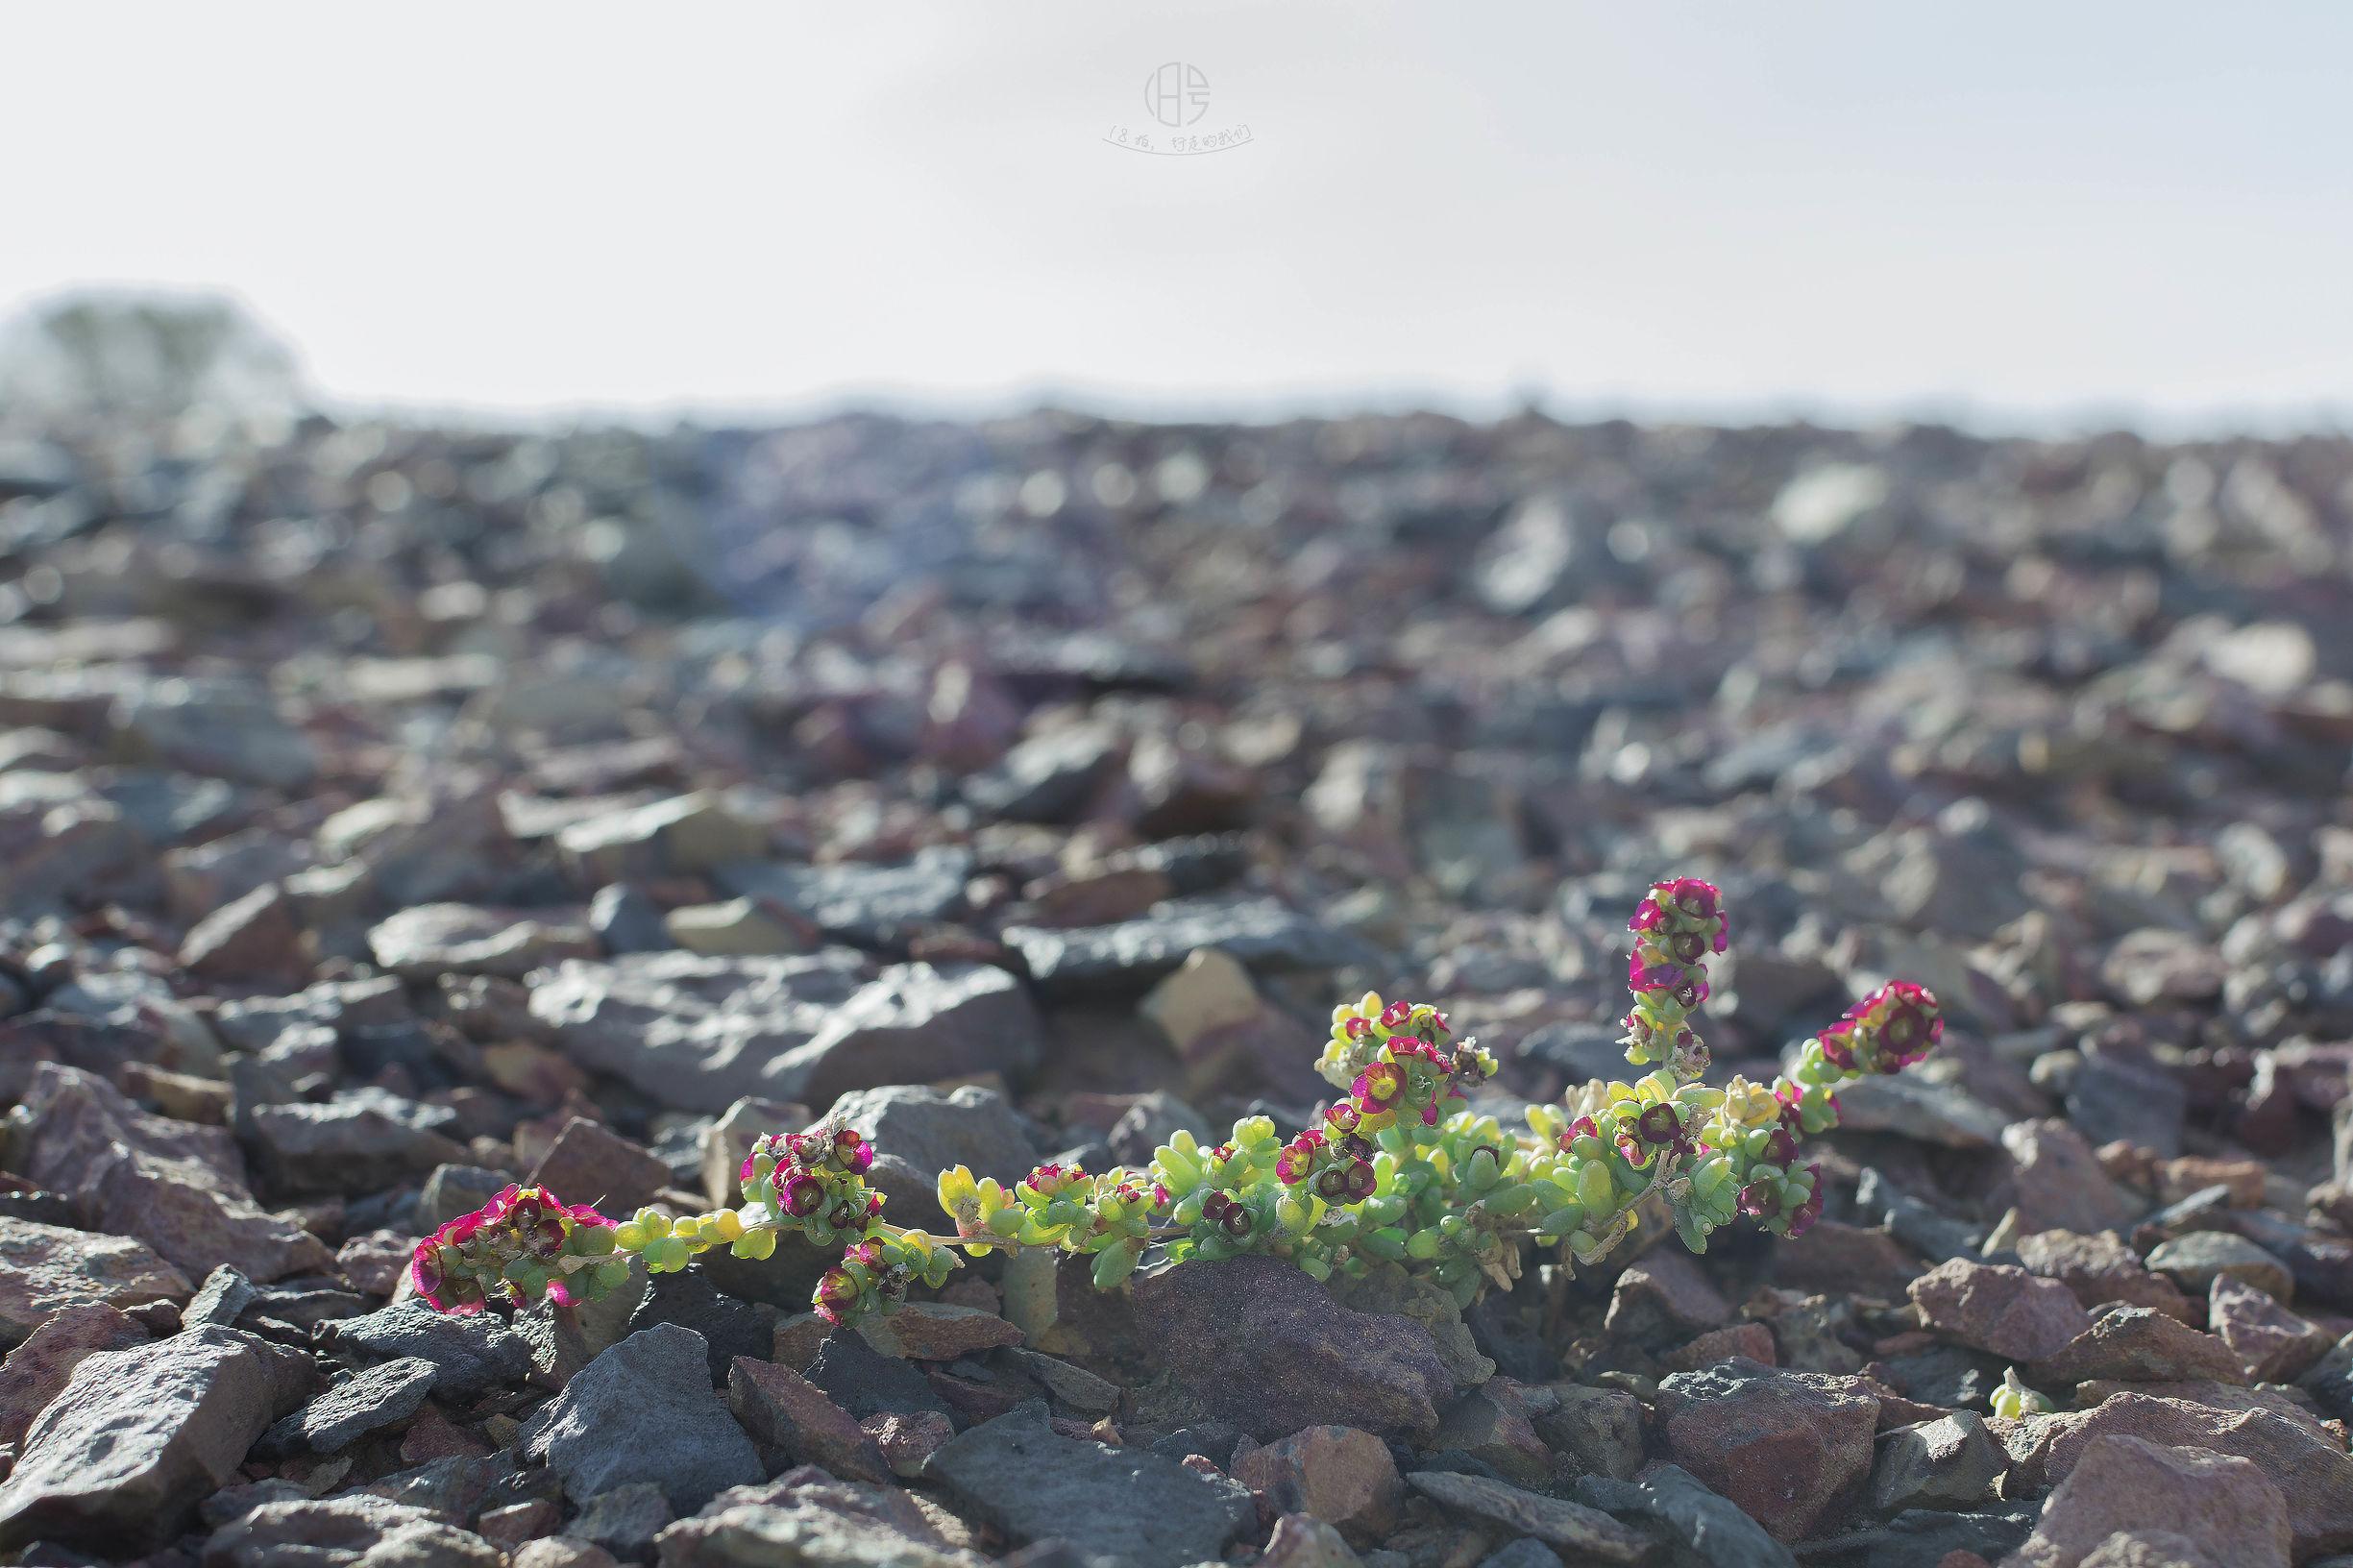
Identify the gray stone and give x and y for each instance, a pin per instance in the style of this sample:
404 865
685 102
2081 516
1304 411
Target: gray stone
381 1396
919 1133
1121 1508
864 905
1525 1553
669 838
360 1140
644 1410
1047 778
625 921
1261 933
1588 1531
346 1532
118 1461
625 1521
2194 1261
808 1519
430 940
470 1355
1952 1460
176 1186
217 1302
699 1033
1673 1501
218 728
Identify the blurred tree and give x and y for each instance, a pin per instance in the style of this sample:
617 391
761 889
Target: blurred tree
147 354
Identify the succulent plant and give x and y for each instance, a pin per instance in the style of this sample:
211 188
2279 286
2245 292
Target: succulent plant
1398 1168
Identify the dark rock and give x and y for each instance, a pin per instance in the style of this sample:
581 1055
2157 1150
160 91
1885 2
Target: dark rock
1594 1430
729 1328
1924 1538
644 1410
2112 1099
1679 1506
1953 1375
865 1382
1593 1534
1949 1463
625 1520
624 920
1114 1506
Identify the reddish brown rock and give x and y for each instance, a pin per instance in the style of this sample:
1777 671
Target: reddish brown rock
178 1187
1593 1431
2059 1185
1492 1425
1663 1298
2221 1507
591 1164
939 1331
788 1414
2138 1344
1999 1309
35 1370
1265 1347
2274 1345
2304 1458
255 940
2100 1269
45 1269
1750 1341
907 1440
1792 1449
374 1261
1341 1475
1860 1261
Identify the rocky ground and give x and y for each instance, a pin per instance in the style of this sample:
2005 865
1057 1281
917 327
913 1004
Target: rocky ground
387 814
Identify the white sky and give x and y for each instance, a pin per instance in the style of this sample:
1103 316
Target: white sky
2019 212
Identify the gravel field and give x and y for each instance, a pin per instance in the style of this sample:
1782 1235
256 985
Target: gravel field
389 814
